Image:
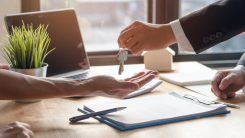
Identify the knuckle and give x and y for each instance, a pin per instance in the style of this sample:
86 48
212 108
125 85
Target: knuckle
213 82
14 123
136 22
220 72
225 80
19 128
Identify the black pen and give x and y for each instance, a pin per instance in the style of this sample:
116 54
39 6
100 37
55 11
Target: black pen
81 117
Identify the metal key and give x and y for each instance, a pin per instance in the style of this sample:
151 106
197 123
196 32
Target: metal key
121 56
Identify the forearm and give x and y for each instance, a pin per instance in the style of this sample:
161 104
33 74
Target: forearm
22 87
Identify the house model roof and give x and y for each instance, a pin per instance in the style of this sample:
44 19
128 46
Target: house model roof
167 49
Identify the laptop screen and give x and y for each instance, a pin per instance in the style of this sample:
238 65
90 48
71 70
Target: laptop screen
64 32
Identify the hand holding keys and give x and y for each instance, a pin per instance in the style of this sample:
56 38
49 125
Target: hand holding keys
122 56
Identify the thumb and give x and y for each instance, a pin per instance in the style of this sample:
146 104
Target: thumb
228 80
126 85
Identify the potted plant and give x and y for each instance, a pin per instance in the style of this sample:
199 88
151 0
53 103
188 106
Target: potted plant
25 50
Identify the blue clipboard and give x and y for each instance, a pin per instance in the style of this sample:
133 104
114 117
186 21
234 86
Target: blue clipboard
120 127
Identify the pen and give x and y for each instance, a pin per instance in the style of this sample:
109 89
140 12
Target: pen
227 104
81 117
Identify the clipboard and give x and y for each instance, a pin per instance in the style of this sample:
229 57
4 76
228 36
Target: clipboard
117 125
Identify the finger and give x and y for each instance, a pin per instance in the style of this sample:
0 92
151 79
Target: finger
118 40
137 48
135 76
212 90
125 36
4 66
131 25
24 134
30 133
225 82
142 76
228 80
145 80
26 125
127 86
139 77
132 42
139 53
128 27
231 94
215 85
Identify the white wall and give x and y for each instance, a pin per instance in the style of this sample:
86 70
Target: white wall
7 7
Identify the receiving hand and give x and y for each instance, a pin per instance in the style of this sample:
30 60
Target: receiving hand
110 87
4 66
226 83
16 130
139 37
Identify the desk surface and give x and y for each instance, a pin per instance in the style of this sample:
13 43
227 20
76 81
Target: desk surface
49 118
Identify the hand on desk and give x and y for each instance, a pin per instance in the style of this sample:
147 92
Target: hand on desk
110 87
226 83
16 130
140 36
43 88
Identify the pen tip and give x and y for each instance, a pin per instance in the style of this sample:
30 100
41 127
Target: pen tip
121 108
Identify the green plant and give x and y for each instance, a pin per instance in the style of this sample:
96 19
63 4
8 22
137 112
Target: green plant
26 48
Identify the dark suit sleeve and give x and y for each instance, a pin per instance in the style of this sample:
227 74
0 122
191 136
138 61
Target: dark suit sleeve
214 24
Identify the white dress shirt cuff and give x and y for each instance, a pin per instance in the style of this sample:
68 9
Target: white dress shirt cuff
242 68
183 43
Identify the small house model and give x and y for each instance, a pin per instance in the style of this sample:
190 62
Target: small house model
161 60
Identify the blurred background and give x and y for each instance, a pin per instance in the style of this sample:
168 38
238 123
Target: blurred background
101 22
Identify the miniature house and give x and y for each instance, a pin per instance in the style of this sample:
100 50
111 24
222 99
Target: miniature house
161 60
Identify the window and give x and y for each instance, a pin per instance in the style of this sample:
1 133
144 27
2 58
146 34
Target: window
101 20
7 8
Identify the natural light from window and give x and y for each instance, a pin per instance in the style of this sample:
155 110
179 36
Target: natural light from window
101 21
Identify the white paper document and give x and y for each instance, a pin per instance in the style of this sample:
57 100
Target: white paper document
155 109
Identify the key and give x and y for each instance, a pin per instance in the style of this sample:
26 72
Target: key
122 56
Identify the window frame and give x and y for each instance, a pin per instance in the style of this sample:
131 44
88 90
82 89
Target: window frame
165 12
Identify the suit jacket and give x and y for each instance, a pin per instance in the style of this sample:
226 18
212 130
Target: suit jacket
214 24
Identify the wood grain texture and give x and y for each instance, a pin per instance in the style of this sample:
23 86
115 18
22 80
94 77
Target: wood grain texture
49 118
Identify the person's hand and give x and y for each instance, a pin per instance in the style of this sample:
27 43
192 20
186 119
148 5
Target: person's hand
111 87
226 83
139 37
16 130
4 66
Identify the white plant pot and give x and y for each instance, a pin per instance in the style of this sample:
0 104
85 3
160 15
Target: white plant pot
39 72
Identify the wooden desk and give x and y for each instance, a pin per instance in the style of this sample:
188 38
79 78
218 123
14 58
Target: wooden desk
49 118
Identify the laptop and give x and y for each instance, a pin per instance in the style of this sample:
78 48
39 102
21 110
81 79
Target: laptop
69 59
